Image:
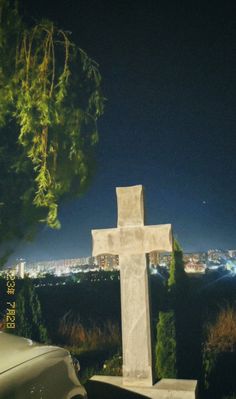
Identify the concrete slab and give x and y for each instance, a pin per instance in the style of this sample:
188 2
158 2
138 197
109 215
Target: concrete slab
179 389
164 389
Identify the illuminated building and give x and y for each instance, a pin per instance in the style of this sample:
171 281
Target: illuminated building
108 262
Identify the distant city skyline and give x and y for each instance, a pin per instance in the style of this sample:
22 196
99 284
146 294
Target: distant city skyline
195 262
83 259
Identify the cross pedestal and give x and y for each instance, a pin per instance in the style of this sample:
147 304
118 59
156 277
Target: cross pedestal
132 240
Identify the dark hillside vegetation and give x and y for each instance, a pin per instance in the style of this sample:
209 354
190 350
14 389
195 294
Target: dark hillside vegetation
83 314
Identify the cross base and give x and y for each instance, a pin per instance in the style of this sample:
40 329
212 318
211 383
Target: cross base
164 389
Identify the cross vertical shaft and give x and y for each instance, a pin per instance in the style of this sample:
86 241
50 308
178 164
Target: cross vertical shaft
136 320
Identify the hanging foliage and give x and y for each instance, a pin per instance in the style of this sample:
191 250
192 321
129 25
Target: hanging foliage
50 101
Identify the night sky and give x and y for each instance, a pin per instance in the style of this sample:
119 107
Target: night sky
169 72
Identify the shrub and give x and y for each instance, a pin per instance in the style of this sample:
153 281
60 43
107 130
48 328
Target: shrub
112 366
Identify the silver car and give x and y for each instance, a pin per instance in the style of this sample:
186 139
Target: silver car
34 371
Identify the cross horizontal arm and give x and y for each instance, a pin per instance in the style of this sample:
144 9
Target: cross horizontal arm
158 238
105 241
132 240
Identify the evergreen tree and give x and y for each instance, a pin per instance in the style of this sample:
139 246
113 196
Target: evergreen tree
29 321
167 350
177 279
166 346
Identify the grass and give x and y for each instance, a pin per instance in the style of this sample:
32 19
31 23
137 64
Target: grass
94 345
88 338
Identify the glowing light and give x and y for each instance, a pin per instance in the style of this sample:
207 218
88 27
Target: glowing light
231 266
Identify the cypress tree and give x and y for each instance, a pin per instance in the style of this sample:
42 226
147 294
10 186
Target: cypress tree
29 321
177 282
167 335
166 346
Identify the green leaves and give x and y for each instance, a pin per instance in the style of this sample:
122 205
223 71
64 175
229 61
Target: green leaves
50 96
177 278
166 346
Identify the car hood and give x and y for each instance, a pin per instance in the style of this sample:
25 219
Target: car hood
16 350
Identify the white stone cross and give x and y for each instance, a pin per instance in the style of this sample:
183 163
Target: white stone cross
132 240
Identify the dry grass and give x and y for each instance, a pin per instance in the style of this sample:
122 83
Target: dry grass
221 335
94 337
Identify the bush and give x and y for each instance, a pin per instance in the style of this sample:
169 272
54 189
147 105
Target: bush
112 366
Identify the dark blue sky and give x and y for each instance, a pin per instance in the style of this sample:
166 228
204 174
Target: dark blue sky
169 73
